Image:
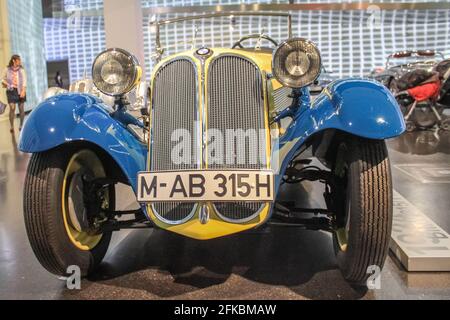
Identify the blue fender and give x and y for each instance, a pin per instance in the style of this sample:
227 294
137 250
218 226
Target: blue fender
359 107
79 117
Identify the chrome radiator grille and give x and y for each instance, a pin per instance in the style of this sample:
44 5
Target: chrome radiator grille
174 107
236 102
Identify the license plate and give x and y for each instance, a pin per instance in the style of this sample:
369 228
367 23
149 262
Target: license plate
201 186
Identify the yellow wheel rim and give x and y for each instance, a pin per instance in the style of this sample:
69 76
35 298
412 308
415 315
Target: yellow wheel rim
85 158
342 239
342 234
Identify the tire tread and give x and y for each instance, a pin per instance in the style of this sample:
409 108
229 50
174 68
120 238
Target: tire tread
37 200
373 199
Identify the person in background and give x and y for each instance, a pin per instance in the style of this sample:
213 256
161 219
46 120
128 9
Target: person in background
14 79
58 80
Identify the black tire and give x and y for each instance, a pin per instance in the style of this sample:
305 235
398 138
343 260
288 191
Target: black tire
44 219
445 125
368 209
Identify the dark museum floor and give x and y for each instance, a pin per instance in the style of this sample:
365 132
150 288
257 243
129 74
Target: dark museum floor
282 264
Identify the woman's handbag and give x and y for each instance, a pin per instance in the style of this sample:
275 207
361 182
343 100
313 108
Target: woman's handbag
3 101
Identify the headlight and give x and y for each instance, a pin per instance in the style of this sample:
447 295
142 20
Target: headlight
297 63
116 72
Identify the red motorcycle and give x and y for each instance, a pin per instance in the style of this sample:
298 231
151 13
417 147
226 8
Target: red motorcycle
424 95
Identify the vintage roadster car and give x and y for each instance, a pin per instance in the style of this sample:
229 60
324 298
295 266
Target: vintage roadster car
226 128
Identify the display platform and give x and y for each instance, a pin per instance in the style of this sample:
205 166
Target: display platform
417 241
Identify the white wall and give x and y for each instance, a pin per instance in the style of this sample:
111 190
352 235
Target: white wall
27 40
123 26
5 46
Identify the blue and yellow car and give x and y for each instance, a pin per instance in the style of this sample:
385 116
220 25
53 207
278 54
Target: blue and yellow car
225 128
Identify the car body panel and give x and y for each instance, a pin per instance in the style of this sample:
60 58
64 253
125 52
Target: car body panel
215 228
344 106
79 117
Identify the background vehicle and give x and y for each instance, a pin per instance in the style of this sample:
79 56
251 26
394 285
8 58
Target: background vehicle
402 62
82 148
138 97
424 95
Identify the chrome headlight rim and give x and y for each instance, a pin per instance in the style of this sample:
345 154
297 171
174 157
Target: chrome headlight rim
130 78
289 82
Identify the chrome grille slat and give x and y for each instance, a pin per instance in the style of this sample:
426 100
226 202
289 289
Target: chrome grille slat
174 107
282 99
236 101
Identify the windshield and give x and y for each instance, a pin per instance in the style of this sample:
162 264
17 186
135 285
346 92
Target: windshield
217 30
414 58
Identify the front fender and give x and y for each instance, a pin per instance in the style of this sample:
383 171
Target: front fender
359 107
77 117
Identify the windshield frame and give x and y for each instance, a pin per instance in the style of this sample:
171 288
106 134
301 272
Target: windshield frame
159 23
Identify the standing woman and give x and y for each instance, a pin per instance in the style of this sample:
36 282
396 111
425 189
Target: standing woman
58 80
14 79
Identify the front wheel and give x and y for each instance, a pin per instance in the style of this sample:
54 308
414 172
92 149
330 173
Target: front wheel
63 209
365 207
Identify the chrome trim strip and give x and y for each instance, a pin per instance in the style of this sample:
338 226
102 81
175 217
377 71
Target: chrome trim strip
202 107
